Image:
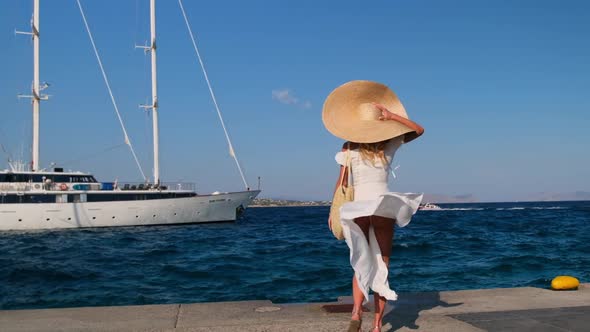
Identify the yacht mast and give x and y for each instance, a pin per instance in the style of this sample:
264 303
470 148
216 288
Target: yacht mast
36 89
154 105
36 92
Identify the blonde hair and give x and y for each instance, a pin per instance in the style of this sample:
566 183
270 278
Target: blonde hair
373 151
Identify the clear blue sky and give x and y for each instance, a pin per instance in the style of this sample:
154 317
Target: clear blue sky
501 87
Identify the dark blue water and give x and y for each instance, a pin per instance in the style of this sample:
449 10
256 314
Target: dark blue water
289 255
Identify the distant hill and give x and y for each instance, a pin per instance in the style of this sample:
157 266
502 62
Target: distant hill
440 198
569 196
536 197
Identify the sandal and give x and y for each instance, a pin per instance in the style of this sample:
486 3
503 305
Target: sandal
355 324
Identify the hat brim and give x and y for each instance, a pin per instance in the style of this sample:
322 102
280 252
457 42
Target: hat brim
341 113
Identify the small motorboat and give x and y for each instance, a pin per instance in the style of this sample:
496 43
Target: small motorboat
429 207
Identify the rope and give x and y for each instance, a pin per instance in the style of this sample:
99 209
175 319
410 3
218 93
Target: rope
231 148
6 152
106 80
8 156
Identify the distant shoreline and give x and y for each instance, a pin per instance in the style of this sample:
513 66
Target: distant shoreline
266 202
269 202
292 205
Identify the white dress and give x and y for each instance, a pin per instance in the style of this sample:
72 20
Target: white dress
373 197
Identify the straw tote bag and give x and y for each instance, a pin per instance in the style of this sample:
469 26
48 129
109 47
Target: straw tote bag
344 193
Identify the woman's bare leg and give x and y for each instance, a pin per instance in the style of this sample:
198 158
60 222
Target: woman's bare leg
358 298
357 295
384 228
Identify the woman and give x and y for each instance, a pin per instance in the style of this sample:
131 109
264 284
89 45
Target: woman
373 121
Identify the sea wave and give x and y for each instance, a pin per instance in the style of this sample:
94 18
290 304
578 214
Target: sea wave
459 209
501 208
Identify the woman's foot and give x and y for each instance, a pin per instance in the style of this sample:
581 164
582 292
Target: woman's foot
355 326
356 320
376 329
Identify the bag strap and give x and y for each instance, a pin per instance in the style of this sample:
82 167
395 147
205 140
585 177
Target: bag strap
347 169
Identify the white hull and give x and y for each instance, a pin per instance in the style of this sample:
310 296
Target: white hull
197 209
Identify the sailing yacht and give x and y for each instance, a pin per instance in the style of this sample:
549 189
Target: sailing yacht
33 198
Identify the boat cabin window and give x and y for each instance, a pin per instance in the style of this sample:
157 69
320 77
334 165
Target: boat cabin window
19 199
15 177
37 178
42 177
88 179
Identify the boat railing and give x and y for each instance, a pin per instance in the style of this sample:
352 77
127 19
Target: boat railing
36 187
20 187
150 186
53 186
180 185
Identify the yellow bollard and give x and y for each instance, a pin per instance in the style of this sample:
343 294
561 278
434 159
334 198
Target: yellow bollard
564 283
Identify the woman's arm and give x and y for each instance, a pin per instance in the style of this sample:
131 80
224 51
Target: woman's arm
387 115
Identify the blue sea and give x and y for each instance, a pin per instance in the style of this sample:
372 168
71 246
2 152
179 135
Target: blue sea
288 255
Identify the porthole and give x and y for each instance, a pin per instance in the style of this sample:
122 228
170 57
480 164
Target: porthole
154 215
113 217
69 218
20 220
47 219
93 218
136 216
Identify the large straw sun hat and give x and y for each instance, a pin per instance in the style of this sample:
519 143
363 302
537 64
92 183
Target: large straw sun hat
349 112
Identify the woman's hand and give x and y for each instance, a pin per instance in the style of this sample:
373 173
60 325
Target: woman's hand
386 115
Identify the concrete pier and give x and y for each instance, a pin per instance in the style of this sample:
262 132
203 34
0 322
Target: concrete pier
510 309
